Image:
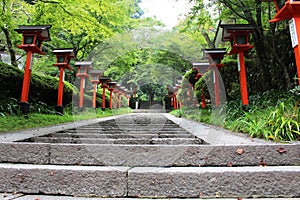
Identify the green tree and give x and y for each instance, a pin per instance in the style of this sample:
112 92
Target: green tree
272 56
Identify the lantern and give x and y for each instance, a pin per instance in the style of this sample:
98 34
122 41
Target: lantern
63 57
95 74
83 70
33 36
104 84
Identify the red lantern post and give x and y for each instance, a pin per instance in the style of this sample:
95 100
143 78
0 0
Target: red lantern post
111 86
290 10
215 57
63 57
83 70
104 84
238 35
96 74
33 37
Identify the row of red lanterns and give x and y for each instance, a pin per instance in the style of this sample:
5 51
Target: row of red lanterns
33 37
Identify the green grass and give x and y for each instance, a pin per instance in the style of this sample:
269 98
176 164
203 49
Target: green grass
14 123
271 116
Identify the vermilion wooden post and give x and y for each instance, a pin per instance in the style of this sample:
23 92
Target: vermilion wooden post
111 86
81 93
217 87
243 79
33 37
203 104
115 99
26 79
60 87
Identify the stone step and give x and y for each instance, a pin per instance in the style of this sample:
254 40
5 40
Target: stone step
208 182
116 135
66 180
133 128
151 182
133 132
128 141
150 155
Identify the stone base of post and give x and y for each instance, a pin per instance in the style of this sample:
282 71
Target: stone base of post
24 106
59 110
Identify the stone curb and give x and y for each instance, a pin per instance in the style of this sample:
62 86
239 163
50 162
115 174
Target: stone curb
151 155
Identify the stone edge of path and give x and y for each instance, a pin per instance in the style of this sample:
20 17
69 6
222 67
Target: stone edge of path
24 134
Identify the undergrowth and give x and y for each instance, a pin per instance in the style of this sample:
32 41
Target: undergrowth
271 116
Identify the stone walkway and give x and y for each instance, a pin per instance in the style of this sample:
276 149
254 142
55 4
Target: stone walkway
148 155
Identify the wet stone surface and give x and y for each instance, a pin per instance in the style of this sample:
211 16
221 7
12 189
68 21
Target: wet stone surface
136 129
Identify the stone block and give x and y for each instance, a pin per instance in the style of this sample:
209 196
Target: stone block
24 153
212 182
65 180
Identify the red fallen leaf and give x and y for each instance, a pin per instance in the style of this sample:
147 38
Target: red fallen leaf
239 198
229 164
281 150
200 195
262 163
240 151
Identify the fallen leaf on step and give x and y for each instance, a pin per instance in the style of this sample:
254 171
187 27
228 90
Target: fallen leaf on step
281 150
240 151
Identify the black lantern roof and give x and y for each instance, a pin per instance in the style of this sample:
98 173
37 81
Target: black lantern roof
112 83
42 30
211 52
83 63
234 29
69 51
96 72
202 68
104 78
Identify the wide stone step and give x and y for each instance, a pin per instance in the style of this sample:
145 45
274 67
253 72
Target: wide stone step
128 141
191 182
116 135
150 155
116 131
124 129
152 182
66 180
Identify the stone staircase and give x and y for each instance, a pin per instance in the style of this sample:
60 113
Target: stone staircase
151 155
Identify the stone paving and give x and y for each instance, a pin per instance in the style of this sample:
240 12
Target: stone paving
148 155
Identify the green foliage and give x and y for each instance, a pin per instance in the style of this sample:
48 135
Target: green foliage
284 122
273 115
13 123
201 85
43 88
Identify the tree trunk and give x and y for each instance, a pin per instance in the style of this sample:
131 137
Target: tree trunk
10 47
